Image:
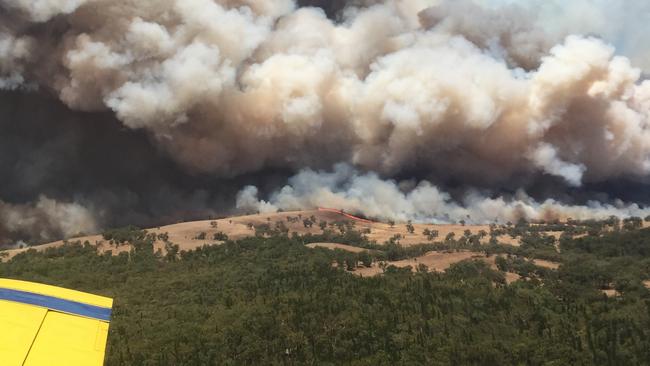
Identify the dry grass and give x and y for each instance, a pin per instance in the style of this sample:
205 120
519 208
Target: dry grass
546 264
332 246
611 292
238 227
435 261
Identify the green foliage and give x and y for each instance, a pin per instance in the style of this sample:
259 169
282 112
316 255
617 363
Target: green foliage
221 236
269 300
263 230
172 251
410 228
430 234
127 234
365 258
632 223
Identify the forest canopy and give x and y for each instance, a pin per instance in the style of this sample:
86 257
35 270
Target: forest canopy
269 300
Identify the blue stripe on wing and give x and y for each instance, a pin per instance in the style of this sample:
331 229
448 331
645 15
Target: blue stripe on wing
53 303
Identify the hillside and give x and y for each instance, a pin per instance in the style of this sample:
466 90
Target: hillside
187 234
274 298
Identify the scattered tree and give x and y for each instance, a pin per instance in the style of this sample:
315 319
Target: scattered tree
410 228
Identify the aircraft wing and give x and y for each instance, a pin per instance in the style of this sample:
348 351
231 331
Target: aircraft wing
44 325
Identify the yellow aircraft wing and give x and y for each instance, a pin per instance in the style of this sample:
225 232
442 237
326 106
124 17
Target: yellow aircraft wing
44 325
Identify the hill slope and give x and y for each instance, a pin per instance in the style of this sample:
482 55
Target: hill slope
188 235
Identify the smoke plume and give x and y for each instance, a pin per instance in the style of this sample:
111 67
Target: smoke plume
351 191
45 220
477 101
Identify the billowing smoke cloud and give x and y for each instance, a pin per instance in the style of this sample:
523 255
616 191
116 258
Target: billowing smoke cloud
43 10
47 219
13 52
471 95
347 189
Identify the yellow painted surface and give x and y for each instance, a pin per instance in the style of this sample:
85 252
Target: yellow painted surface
36 336
68 340
19 325
57 292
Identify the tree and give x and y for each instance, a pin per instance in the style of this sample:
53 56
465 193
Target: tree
351 262
221 236
632 223
365 259
281 228
410 228
171 251
501 263
262 230
127 234
430 234
391 223
395 239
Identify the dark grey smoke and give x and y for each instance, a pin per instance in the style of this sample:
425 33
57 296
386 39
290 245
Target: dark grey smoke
331 7
120 112
91 159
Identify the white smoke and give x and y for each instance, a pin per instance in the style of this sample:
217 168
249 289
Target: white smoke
13 53
622 23
347 189
545 157
247 201
45 220
231 87
479 91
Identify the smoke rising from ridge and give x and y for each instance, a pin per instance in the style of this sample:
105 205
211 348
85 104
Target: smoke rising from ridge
349 190
485 96
45 220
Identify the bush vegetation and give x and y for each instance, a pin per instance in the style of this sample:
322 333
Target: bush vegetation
269 300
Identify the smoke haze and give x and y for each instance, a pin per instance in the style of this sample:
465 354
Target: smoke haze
121 111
